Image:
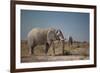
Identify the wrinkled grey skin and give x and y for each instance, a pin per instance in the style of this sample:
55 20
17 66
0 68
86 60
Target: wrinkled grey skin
38 36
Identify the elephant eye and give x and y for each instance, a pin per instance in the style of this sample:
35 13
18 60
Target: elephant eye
58 33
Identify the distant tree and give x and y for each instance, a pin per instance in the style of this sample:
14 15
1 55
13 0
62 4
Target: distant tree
70 40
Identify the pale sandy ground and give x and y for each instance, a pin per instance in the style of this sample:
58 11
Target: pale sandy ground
53 58
75 52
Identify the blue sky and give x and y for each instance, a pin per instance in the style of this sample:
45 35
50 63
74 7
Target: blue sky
73 24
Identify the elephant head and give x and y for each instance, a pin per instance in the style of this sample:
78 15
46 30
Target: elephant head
55 34
59 35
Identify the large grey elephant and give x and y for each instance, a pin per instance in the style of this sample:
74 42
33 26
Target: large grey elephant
47 36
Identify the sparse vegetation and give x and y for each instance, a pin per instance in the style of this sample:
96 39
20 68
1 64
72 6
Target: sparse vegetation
77 51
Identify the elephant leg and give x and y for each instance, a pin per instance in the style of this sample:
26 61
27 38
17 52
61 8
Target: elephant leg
32 49
63 46
47 47
53 47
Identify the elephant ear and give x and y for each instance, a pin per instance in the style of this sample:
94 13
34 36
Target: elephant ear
51 35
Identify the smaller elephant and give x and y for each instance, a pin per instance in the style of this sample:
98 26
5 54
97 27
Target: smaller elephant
70 41
39 36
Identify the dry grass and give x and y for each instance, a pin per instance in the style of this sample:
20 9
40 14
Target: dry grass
78 51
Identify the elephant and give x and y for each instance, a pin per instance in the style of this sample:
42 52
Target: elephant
70 41
46 36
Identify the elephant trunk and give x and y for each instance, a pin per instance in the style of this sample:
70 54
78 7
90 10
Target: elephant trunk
63 45
63 42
